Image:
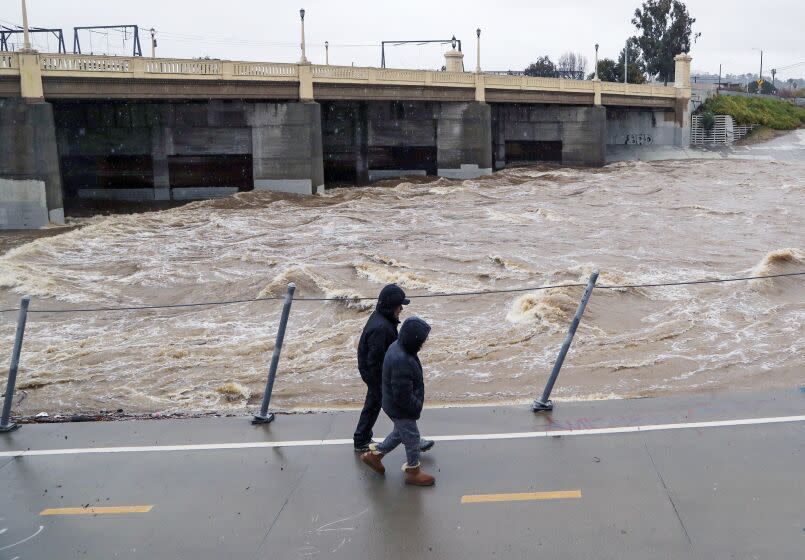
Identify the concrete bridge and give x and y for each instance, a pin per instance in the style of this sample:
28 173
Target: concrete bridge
130 128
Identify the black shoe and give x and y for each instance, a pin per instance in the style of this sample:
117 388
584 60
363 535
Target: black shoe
426 444
362 448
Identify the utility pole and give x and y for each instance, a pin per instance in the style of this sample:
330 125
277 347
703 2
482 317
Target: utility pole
595 77
26 41
773 74
761 66
327 53
153 43
719 78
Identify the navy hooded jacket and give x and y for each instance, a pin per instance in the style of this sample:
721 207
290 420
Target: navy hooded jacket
378 334
403 383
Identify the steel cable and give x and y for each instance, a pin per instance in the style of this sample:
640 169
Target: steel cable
412 296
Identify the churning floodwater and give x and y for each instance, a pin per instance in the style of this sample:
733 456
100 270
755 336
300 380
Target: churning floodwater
637 222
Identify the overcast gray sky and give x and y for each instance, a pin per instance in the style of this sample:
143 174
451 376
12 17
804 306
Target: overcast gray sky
514 32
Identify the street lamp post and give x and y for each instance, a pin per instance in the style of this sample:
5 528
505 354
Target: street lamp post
626 62
327 53
595 77
153 43
304 58
478 63
26 41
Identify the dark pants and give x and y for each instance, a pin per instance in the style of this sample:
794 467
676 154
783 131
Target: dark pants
369 414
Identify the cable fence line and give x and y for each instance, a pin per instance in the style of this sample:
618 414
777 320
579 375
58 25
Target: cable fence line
346 299
541 404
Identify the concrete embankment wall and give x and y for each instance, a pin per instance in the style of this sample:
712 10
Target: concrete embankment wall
28 152
642 127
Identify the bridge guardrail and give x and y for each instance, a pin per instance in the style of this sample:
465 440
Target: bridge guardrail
65 65
9 64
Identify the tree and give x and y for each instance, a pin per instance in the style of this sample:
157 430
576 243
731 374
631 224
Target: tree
543 67
572 65
611 71
666 27
767 88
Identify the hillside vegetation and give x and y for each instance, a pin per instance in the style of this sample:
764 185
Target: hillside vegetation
773 113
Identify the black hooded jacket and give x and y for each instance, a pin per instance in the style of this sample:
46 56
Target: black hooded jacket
378 334
403 383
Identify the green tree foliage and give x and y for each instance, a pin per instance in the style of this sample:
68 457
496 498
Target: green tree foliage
543 67
773 113
666 27
708 120
611 71
767 88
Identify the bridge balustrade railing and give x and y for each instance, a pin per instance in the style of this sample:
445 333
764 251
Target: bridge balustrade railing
191 67
127 67
70 63
9 62
267 70
340 72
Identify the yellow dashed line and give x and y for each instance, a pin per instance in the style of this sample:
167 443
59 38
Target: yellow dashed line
96 510
521 497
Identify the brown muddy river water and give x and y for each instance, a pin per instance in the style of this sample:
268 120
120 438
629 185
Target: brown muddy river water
637 222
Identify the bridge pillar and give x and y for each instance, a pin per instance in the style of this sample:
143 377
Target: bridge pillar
28 151
682 88
464 140
161 139
287 147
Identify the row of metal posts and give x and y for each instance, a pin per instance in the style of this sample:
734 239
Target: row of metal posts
264 417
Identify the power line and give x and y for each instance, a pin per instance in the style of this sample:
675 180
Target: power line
415 296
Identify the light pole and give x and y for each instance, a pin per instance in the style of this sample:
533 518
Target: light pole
626 62
304 58
327 53
773 74
478 63
595 77
26 40
153 43
760 77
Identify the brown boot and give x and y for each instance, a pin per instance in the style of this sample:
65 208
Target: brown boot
415 476
373 459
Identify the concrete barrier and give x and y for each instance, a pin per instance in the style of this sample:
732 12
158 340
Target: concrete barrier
23 204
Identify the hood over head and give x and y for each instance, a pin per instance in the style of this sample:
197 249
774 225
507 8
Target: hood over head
390 297
413 334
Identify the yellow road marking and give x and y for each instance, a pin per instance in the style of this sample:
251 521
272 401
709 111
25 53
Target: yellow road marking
96 510
521 497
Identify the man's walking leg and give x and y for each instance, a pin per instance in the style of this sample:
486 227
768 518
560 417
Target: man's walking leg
371 409
409 433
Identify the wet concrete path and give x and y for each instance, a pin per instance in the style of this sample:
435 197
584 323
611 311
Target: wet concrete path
708 476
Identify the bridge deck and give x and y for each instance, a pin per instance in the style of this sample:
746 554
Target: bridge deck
681 491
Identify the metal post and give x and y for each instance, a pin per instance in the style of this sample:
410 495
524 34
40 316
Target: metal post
543 403
26 40
304 58
626 63
327 53
478 56
153 43
264 417
595 77
5 423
